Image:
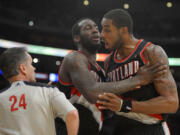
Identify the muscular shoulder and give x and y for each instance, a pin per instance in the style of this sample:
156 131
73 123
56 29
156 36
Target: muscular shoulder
75 60
75 57
155 53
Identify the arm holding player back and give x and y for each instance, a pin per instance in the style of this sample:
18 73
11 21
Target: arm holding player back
166 102
64 109
77 68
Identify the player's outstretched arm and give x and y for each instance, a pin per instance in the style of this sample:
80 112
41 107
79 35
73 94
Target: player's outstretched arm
78 69
168 101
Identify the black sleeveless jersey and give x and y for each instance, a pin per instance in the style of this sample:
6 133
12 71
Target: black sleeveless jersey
73 93
118 70
69 88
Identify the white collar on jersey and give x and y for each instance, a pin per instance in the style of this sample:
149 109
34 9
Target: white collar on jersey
17 83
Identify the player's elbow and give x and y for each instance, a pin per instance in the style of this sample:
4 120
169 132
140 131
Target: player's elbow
90 97
174 104
91 94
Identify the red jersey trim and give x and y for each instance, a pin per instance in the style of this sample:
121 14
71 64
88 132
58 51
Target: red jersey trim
89 66
141 53
70 83
74 91
158 116
119 61
62 82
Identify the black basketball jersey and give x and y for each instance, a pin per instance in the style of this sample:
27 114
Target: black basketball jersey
118 70
97 70
75 95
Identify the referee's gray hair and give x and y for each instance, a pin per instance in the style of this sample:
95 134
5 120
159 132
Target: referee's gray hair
11 59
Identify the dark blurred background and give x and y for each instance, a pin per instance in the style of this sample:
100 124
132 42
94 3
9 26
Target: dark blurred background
49 23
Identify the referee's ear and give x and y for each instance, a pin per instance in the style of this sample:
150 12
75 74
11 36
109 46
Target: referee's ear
22 69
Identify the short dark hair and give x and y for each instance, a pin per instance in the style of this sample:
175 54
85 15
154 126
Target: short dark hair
11 59
76 28
120 18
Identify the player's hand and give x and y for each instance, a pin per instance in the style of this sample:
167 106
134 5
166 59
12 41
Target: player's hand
109 101
148 73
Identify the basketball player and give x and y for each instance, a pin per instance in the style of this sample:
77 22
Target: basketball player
27 107
144 111
85 79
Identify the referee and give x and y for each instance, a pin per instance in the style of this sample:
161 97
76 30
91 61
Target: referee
27 107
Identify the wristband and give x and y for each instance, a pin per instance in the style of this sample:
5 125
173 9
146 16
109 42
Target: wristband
126 106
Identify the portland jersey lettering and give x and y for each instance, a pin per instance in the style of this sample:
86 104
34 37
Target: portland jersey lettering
118 70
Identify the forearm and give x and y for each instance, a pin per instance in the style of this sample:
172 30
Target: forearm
157 105
124 85
120 87
72 123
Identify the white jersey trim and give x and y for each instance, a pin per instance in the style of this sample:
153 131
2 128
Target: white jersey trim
166 128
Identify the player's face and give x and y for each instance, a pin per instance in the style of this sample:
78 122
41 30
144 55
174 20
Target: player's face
110 34
30 70
89 34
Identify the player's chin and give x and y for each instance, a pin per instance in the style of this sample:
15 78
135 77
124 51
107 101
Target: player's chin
108 47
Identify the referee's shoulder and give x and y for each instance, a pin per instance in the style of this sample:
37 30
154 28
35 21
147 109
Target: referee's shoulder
38 84
4 89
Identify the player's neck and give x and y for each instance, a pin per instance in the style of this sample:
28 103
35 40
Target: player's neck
129 44
91 56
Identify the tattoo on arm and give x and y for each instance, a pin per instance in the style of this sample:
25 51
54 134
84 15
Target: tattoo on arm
167 101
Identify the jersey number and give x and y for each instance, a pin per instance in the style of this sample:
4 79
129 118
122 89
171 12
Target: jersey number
22 102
